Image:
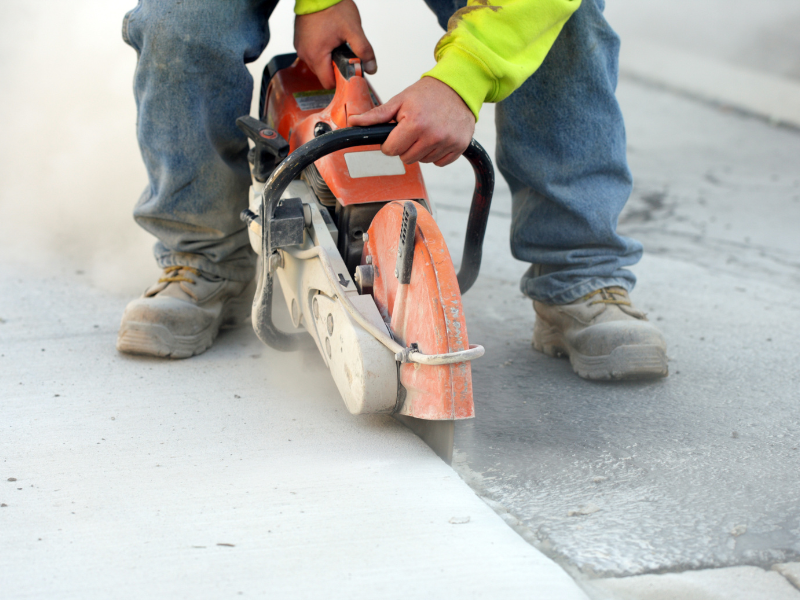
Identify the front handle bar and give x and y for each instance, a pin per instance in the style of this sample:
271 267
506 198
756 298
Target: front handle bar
350 137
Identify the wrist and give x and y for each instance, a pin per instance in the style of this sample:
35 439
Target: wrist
307 7
466 76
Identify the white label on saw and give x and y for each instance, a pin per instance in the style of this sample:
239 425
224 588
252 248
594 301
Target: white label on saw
373 163
314 99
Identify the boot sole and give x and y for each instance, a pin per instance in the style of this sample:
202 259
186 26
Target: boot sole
624 362
154 339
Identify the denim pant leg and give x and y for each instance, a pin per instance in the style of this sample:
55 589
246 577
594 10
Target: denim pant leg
561 148
191 84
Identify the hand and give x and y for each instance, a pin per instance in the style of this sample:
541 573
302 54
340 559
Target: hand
434 125
317 34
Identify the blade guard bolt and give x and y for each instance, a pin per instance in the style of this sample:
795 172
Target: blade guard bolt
275 262
365 276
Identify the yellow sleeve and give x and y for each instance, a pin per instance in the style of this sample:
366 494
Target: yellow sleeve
305 7
492 46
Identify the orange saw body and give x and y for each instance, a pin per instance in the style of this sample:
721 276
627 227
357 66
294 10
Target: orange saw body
362 264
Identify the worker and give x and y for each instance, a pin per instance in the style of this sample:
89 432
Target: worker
551 67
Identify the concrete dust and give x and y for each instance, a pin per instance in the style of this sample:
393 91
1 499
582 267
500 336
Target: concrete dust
70 165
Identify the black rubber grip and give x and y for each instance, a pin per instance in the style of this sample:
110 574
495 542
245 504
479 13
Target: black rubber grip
341 57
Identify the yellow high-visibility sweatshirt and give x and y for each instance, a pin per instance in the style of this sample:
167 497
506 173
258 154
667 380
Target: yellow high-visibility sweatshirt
491 46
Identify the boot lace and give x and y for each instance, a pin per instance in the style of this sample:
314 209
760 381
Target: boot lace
609 295
174 274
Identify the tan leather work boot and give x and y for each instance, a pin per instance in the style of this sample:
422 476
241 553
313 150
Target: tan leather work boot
181 315
604 336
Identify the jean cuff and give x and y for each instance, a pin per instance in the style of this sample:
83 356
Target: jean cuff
234 271
551 290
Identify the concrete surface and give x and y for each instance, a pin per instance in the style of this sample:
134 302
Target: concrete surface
696 471
239 472
736 583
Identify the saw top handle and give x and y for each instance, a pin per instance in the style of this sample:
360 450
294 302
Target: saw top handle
350 137
345 60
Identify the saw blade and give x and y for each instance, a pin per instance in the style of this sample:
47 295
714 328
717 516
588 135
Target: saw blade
439 435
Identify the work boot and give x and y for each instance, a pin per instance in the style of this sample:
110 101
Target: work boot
181 315
603 335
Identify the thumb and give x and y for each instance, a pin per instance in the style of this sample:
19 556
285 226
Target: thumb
380 114
363 49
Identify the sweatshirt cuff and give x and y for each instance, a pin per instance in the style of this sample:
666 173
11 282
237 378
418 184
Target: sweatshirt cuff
469 77
306 7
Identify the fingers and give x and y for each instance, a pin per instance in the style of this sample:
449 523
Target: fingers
322 67
448 159
401 143
317 34
380 114
415 153
363 49
317 57
425 151
435 155
416 140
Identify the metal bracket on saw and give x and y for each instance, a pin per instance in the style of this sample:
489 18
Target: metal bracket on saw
270 148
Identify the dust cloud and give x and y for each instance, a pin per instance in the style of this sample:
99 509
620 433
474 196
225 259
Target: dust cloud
70 169
70 166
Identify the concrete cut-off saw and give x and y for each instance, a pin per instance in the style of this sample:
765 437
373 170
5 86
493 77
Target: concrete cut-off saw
362 265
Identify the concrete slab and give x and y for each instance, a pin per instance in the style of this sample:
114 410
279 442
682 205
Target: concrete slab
236 472
736 583
791 571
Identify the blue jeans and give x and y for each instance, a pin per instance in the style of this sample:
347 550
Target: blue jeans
560 144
